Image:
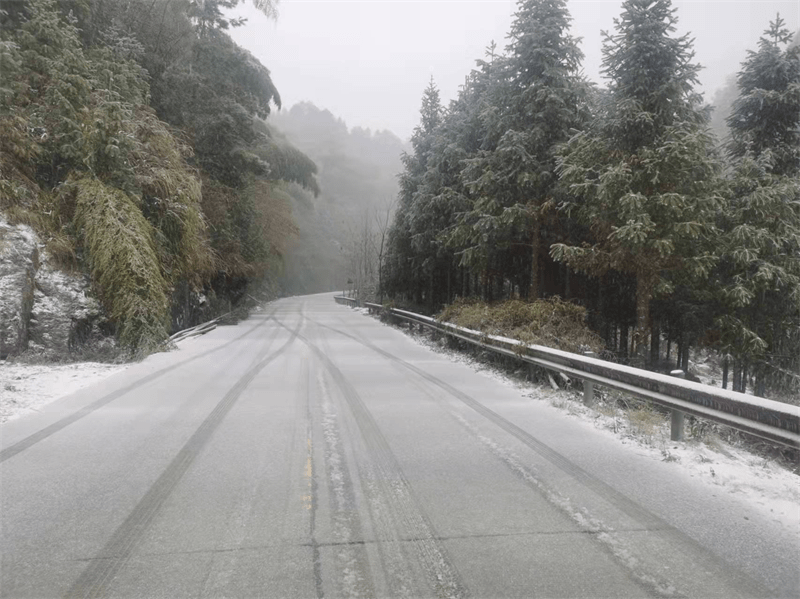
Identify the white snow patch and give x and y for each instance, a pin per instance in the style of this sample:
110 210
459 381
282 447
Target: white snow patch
763 483
29 387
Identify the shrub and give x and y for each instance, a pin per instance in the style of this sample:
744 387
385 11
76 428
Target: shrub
121 250
550 322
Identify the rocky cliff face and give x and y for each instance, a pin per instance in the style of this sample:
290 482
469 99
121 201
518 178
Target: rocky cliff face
19 260
42 309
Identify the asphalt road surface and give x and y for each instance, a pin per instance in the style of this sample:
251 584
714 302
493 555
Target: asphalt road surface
312 451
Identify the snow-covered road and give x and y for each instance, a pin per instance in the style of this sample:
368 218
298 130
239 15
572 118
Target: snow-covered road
312 451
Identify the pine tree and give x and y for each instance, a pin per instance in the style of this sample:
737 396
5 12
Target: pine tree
403 260
765 117
535 98
643 179
759 272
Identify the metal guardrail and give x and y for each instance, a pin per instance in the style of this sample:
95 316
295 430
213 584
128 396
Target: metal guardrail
348 301
772 420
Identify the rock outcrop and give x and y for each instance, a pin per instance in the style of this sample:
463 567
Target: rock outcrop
43 309
19 261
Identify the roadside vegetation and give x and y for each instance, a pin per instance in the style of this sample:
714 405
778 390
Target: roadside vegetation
134 141
550 322
535 183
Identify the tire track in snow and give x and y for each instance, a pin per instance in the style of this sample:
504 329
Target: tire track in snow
617 546
313 501
351 568
31 440
392 501
97 578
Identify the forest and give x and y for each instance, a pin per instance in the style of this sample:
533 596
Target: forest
134 140
146 149
535 182
339 231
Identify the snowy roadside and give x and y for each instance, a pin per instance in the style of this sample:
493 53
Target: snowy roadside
764 483
26 388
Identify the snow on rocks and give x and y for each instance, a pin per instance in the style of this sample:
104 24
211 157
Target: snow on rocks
63 315
42 309
19 260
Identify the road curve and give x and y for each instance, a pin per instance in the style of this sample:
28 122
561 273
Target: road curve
311 451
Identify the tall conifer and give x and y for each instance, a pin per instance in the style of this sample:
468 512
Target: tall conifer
643 178
535 100
759 271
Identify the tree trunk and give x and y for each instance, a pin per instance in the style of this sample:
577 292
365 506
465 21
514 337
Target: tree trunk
640 333
761 386
725 372
533 288
743 379
623 341
430 292
655 345
380 279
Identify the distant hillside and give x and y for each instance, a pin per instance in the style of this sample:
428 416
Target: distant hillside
358 179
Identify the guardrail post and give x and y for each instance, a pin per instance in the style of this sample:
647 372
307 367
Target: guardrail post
588 386
676 427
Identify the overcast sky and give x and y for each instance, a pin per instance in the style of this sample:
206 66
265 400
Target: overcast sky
368 61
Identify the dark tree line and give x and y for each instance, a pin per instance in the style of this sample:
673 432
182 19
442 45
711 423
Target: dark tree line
534 182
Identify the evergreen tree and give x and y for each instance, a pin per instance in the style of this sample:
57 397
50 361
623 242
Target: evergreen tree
87 162
643 178
209 15
759 272
536 100
101 178
475 234
438 199
765 116
403 262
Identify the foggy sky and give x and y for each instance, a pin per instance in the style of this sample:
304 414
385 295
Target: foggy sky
369 61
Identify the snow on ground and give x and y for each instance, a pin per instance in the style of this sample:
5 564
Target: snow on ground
28 387
764 483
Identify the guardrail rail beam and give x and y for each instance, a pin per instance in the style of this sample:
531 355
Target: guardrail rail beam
772 420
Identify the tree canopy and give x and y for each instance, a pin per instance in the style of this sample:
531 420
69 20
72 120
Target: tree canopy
134 141
534 182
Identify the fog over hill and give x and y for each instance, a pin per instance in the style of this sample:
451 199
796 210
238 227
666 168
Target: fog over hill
358 179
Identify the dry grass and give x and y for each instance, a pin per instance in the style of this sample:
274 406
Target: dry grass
645 422
550 322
